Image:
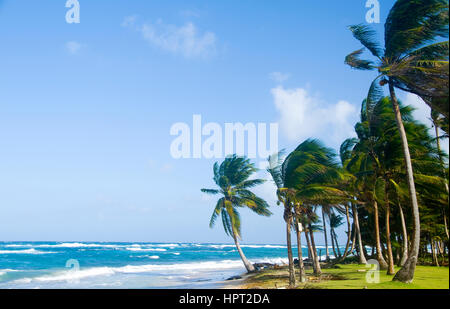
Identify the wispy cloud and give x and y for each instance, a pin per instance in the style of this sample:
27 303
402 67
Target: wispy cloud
279 77
73 47
303 115
186 40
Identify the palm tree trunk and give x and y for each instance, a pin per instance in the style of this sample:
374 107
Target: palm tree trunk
445 224
327 254
405 237
249 266
397 251
288 218
349 233
316 262
438 143
362 257
406 273
332 244
301 266
380 258
391 270
310 250
434 253
352 249
334 236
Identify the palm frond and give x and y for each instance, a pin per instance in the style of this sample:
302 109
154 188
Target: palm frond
353 60
413 24
210 191
366 36
217 211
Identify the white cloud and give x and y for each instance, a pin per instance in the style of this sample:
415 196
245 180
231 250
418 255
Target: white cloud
303 116
279 77
73 47
186 40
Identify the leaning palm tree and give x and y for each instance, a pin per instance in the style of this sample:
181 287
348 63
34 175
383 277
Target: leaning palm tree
412 60
286 196
312 174
232 178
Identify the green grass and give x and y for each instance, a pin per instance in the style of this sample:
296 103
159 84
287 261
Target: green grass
352 276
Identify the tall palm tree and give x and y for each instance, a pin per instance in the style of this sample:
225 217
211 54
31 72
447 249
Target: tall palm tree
414 61
437 123
377 161
345 153
286 196
233 179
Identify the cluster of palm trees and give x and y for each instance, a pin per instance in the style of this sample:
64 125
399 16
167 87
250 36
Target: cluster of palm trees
414 59
390 183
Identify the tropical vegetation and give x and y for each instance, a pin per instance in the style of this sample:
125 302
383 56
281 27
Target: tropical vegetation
388 185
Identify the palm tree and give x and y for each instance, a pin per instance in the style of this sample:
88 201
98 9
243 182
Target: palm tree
376 161
365 164
345 153
335 222
232 178
411 60
349 233
362 257
437 123
286 196
306 177
312 227
313 174
325 213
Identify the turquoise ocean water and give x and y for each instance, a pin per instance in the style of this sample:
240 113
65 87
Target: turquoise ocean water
127 265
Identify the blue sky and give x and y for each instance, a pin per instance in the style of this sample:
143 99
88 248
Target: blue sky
86 108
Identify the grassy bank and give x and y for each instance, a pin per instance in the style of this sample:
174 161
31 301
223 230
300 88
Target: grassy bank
349 276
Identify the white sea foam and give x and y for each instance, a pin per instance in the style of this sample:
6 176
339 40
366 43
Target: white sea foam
5 271
27 251
219 246
153 257
146 249
278 260
264 246
179 268
164 245
71 274
64 245
18 246
78 245
199 266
